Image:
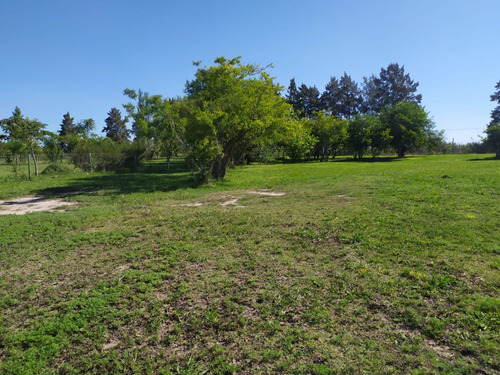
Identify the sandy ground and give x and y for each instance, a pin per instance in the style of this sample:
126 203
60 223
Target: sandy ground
233 200
24 205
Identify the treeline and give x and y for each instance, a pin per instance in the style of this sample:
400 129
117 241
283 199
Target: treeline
236 113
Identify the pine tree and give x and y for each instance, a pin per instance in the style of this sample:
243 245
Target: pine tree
115 126
391 87
67 126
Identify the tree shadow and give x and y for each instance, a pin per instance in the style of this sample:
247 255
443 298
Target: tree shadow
383 159
485 159
151 177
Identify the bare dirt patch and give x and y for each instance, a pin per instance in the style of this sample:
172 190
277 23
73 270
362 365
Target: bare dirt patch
231 200
265 193
24 205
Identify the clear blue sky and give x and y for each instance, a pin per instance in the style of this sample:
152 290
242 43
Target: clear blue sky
78 56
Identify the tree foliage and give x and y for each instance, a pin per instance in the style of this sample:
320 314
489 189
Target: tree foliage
392 86
70 134
232 106
25 133
408 124
493 129
330 133
116 127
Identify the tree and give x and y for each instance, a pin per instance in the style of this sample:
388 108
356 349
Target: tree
24 132
52 145
380 136
358 130
390 87
232 106
350 97
70 134
154 121
493 129
309 100
293 97
330 133
67 126
297 139
305 100
331 97
115 127
409 125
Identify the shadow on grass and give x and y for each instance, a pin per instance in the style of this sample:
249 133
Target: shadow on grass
151 177
384 159
485 159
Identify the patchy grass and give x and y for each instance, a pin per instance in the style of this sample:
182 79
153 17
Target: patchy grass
376 267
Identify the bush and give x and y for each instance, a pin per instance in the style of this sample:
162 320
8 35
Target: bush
100 154
57 168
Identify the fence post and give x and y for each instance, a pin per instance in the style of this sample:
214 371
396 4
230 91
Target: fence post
29 166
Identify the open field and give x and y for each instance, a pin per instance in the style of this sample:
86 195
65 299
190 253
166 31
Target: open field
349 268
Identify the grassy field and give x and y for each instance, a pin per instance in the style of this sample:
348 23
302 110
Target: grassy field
359 268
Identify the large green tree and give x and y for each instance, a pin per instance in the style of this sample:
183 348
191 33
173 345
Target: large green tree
493 129
24 132
409 126
233 106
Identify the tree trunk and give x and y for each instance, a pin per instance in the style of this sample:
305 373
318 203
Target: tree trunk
401 151
33 156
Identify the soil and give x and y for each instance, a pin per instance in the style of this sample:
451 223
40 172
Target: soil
24 205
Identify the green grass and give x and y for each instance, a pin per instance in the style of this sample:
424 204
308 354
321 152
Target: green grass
372 267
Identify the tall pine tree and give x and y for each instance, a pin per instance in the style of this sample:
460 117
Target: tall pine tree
115 126
392 86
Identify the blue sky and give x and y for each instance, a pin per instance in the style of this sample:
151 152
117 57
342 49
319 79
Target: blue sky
79 56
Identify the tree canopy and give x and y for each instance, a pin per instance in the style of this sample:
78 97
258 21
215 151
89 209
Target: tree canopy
233 106
26 133
392 86
408 125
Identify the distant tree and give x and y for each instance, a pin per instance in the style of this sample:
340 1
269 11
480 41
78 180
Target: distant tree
358 131
52 145
309 100
331 97
330 133
390 87
380 136
84 127
342 98
24 132
493 129
70 134
298 140
68 126
115 128
154 122
408 124
293 97
350 97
